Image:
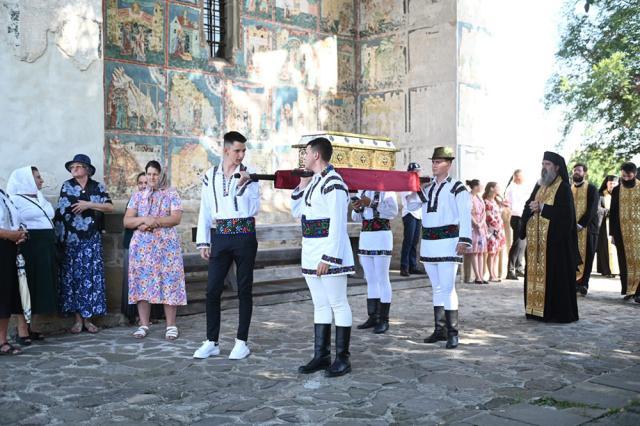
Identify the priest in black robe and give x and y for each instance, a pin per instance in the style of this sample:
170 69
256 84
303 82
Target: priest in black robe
624 227
549 225
586 201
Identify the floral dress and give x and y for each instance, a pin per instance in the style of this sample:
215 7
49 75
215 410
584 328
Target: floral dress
496 237
156 270
82 282
478 233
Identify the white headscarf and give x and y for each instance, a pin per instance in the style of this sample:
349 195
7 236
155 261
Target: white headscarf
21 182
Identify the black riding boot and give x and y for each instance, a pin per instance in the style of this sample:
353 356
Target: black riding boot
440 332
383 319
321 350
452 329
341 365
373 308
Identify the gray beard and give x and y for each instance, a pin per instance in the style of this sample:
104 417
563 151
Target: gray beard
547 178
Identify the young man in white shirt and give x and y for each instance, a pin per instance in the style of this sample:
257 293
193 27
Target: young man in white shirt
227 234
516 194
446 236
412 224
322 204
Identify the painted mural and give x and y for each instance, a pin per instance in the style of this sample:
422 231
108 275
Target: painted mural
189 159
125 157
258 8
186 47
135 30
383 114
297 52
248 110
258 51
134 97
195 104
382 63
301 13
338 113
379 16
338 16
346 65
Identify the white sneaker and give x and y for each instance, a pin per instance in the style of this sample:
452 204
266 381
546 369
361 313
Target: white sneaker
240 350
207 349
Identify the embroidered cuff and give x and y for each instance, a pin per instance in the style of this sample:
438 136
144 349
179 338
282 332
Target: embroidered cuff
203 245
332 271
329 259
465 240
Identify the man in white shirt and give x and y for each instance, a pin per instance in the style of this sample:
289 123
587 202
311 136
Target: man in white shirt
226 234
517 195
411 220
446 236
322 202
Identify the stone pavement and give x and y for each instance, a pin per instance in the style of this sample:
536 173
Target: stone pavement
507 370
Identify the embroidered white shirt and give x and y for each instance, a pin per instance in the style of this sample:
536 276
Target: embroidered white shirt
383 206
221 198
417 213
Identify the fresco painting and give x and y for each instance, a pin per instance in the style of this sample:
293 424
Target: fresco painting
125 157
301 13
379 16
382 63
258 8
195 104
134 97
248 110
258 51
297 50
189 159
338 16
338 113
135 30
346 65
383 114
187 49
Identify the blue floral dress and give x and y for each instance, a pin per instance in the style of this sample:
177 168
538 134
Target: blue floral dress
82 282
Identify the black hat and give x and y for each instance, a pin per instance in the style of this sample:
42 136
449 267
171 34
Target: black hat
413 167
83 159
558 160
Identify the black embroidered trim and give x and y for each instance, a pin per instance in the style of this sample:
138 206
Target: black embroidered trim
375 224
315 228
337 186
243 168
327 170
329 179
440 232
205 180
465 240
307 197
332 259
374 252
455 187
456 259
297 196
213 185
421 196
434 207
332 271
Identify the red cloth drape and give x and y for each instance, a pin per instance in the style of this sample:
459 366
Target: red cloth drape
357 179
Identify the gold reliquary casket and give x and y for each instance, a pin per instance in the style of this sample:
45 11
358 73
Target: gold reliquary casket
355 151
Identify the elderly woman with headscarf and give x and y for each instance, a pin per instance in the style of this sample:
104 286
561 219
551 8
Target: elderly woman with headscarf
39 251
156 271
11 234
79 215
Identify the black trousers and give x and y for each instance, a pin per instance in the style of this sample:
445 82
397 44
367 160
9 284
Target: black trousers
412 231
225 249
592 243
516 252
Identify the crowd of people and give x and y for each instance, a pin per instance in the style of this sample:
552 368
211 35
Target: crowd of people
556 230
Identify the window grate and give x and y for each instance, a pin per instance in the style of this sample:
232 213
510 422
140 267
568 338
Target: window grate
214 27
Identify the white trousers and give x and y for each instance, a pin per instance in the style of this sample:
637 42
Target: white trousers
443 283
329 295
376 272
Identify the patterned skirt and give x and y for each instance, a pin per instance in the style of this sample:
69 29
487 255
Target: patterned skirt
82 283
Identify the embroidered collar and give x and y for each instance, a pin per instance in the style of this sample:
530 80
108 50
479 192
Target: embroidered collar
326 170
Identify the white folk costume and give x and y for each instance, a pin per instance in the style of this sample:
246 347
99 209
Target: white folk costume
375 246
227 226
446 221
322 206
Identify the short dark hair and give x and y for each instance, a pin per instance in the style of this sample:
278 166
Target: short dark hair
154 164
34 169
629 167
472 183
584 167
140 175
230 137
323 147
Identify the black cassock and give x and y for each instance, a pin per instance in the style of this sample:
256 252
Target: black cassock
562 256
590 221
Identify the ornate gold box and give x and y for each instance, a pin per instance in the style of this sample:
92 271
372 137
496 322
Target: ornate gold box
353 150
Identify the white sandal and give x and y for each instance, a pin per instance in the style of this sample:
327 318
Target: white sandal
171 333
141 332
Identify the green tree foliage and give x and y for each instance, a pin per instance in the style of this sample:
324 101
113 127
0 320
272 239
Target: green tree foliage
598 73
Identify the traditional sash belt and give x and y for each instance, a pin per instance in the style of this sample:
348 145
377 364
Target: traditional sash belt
243 225
316 228
375 224
440 232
